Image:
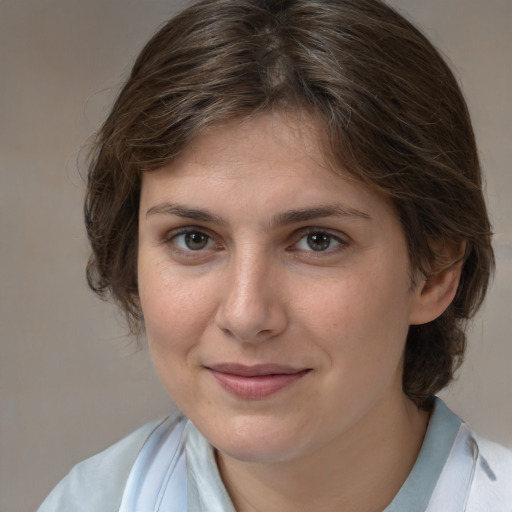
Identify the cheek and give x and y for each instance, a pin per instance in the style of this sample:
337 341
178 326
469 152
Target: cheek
175 322
361 321
175 307
359 303
172 316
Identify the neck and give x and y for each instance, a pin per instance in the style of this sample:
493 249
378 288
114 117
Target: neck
376 455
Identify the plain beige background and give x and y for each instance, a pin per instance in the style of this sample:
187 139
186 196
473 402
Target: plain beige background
71 382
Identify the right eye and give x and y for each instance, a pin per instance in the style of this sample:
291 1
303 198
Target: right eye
192 241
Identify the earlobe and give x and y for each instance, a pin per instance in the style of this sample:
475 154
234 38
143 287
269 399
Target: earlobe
435 293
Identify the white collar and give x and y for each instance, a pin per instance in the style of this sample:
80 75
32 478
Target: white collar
176 471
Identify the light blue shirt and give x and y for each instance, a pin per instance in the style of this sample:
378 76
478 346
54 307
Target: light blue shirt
170 467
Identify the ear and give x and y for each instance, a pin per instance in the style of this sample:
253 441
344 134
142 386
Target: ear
435 292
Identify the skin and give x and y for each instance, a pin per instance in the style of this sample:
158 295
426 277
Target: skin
328 291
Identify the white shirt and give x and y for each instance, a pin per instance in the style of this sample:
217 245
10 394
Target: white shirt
176 472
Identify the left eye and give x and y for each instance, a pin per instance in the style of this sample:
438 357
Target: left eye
318 241
192 241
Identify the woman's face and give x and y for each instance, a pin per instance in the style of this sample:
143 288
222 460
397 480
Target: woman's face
276 294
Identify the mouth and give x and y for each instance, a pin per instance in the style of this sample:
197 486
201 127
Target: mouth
257 381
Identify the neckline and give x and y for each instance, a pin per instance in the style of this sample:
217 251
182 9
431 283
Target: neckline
415 493
205 482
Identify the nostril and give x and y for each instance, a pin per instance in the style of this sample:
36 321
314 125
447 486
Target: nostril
251 315
227 332
248 336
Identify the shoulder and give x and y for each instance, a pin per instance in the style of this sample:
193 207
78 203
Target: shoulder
477 473
495 454
492 483
97 483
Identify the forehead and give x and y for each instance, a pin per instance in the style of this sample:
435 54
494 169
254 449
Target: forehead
262 140
268 145
268 164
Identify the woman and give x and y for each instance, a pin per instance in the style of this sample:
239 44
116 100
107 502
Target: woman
286 198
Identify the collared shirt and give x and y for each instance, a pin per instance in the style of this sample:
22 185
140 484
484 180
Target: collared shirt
168 466
176 472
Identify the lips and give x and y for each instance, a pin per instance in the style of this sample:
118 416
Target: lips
257 381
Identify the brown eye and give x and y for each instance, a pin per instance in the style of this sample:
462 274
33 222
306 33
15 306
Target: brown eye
192 241
318 241
196 241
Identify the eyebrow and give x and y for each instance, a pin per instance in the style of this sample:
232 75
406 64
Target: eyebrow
185 212
306 214
281 219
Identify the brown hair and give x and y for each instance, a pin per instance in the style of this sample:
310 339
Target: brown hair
393 115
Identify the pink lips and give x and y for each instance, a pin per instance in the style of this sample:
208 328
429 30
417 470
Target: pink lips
255 382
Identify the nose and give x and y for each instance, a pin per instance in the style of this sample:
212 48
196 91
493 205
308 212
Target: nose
252 308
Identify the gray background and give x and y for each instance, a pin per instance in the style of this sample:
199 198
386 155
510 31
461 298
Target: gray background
71 382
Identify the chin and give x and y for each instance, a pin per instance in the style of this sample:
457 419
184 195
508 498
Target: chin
254 440
256 453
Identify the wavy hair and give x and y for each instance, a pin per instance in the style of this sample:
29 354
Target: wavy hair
393 115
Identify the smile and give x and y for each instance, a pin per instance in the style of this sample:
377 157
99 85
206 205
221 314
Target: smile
255 382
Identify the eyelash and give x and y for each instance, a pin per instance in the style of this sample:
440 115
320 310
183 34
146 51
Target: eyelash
170 241
340 242
309 232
